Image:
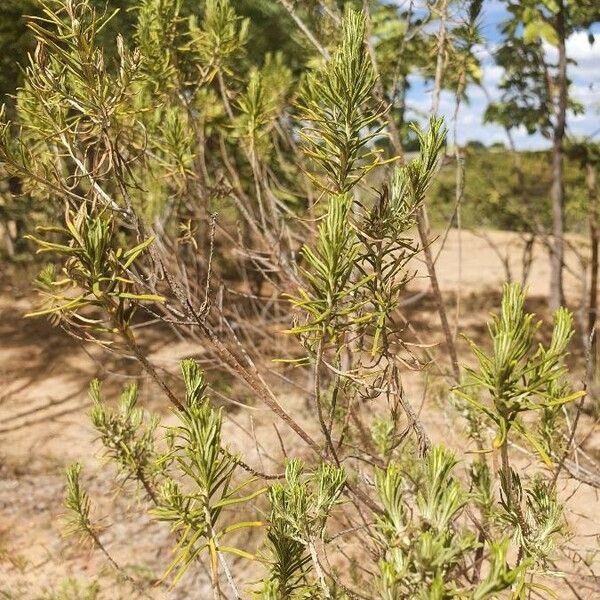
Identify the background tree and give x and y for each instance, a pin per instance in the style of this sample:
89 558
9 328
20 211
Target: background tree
536 93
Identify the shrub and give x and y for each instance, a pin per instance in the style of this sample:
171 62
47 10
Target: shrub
141 156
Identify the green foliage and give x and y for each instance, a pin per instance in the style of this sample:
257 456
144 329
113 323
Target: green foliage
529 85
330 297
413 181
156 37
462 65
198 457
262 103
127 435
16 40
521 377
70 78
221 38
300 509
358 267
269 31
421 551
508 192
69 143
334 99
77 502
541 525
524 69
518 375
95 274
289 560
387 244
175 147
305 503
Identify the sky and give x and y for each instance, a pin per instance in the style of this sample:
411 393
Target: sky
585 77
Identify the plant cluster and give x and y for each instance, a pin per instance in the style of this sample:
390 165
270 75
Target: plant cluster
143 153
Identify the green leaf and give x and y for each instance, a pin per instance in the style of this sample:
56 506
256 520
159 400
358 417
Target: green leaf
237 552
532 439
142 297
240 525
76 303
240 500
132 254
539 29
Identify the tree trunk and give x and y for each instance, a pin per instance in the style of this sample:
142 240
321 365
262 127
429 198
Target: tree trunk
439 65
557 192
592 188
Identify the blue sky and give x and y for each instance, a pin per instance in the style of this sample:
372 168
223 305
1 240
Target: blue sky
585 76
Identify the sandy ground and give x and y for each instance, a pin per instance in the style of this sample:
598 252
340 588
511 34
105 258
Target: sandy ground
44 426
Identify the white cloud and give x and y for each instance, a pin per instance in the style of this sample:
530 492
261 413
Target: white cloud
586 57
492 74
585 77
580 49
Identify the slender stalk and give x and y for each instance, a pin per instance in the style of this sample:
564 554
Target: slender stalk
253 379
507 474
594 216
379 91
148 367
320 575
459 192
146 484
229 576
511 500
113 563
304 28
222 561
423 221
437 293
557 191
439 65
317 393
